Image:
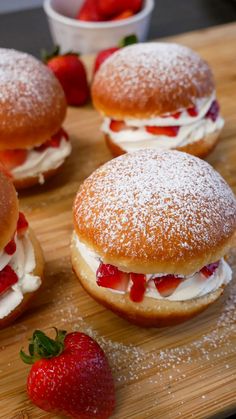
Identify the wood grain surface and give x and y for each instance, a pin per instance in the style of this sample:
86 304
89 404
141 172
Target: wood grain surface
181 372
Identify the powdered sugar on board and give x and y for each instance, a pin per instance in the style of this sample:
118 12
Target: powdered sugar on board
152 206
140 76
27 88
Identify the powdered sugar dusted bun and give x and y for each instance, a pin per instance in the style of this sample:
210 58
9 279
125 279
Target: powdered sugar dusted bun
151 79
8 210
32 102
150 212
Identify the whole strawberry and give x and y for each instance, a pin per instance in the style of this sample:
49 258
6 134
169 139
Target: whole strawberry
106 53
71 73
70 376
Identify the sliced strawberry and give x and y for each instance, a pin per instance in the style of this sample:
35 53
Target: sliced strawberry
54 142
138 287
22 224
176 115
117 126
167 284
109 276
214 110
124 15
7 278
192 111
12 158
168 131
208 270
10 248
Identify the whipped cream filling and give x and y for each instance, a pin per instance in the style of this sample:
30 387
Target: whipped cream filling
192 129
23 263
193 286
38 162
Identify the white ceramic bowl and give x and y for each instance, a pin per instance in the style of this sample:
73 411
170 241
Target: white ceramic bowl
85 37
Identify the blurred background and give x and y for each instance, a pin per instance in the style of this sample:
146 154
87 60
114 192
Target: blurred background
23 24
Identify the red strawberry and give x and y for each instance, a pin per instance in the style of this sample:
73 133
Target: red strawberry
192 111
214 110
168 131
135 5
54 142
208 270
167 284
124 15
138 287
106 53
12 158
90 12
112 8
117 126
71 73
70 376
176 115
109 276
10 248
7 278
22 224
102 56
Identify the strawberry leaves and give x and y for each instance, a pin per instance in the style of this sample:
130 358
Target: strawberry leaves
41 346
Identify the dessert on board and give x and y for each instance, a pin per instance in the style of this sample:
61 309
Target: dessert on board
151 230
21 258
160 96
33 144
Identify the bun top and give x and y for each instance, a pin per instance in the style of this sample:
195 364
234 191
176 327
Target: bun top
150 212
32 102
8 210
151 79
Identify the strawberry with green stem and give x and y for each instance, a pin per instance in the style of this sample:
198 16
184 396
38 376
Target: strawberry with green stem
71 73
70 375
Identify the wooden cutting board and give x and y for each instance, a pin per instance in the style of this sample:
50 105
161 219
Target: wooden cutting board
181 372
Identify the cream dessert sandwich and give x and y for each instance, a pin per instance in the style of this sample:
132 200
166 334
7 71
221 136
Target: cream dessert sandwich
33 144
160 96
151 231
21 258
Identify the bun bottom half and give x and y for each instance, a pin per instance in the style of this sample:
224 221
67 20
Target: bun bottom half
38 271
200 148
150 312
34 180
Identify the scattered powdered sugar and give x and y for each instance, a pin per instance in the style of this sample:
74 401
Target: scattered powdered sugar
132 363
27 87
173 203
152 72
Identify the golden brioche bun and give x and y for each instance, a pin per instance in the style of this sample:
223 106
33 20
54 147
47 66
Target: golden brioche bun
200 148
150 79
38 271
8 210
150 312
35 180
32 101
150 212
